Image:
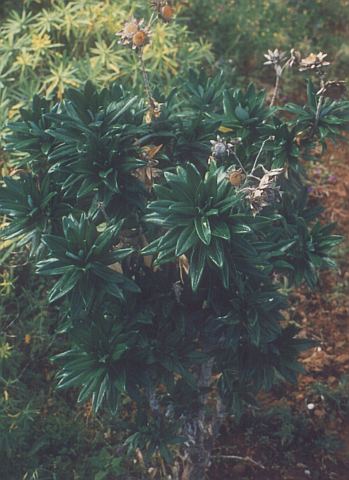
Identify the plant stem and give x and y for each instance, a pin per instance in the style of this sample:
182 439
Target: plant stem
276 88
259 154
318 109
146 81
239 162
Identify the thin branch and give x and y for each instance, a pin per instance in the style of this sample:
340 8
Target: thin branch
239 162
259 154
240 459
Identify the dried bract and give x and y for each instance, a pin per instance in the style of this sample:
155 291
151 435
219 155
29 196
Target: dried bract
295 58
183 264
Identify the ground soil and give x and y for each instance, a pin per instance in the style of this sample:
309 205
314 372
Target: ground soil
322 315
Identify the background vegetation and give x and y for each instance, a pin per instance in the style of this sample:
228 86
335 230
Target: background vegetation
241 32
47 46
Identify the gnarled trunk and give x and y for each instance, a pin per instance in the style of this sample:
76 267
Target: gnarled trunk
202 430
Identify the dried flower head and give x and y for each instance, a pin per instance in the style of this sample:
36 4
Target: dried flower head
164 9
295 58
148 173
334 89
266 192
167 13
235 177
274 57
154 110
314 62
221 148
134 34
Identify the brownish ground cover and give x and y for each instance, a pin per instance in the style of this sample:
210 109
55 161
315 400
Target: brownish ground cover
307 435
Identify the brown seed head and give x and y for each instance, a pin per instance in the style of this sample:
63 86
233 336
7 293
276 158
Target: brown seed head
140 39
167 13
236 177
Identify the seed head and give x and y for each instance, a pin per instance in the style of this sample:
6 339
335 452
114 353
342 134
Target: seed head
139 39
235 177
167 13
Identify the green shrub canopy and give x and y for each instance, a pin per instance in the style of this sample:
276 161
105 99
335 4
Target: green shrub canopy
167 239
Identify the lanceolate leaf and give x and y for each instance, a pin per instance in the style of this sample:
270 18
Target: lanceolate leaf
203 229
197 266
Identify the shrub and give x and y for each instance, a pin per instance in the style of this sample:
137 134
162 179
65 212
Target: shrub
169 223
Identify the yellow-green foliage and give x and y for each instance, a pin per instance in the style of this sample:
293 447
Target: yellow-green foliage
51 45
